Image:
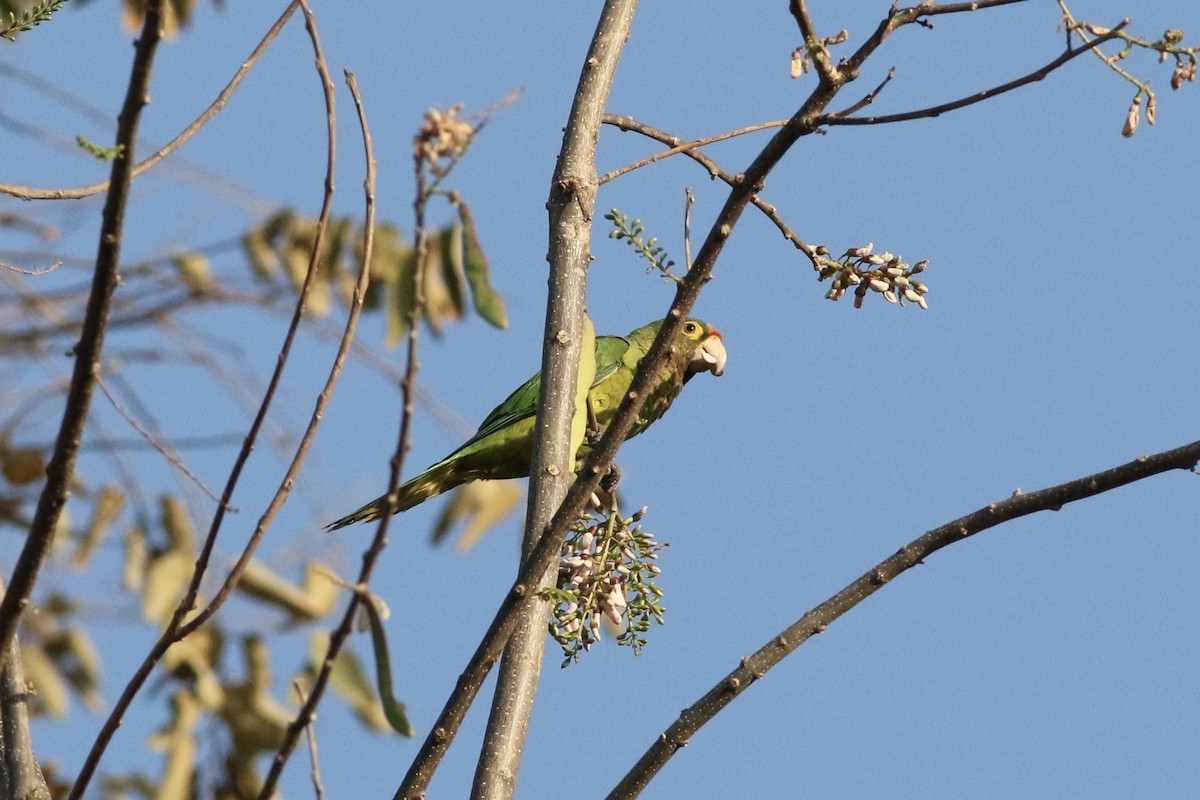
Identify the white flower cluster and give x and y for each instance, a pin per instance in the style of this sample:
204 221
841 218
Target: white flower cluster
605 572
883 273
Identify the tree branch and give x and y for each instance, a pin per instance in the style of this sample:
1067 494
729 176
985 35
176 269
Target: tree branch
307 711
714 171
20 773
915 552
176 628
978 97
87 352
572 205
218 105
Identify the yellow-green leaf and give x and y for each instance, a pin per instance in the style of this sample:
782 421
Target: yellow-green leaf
177 525
312 600
177 740
481 505
349 680
134 543
107 509
263 260
194 271
48 682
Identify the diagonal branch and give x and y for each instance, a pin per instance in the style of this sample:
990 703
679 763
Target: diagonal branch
978 97
307 711
548 547
714 171
91 337
176 628
815 621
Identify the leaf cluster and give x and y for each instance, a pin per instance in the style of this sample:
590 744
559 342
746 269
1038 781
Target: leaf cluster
234 699
633 232
456 274
21 20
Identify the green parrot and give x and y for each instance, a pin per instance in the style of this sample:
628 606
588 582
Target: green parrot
503 445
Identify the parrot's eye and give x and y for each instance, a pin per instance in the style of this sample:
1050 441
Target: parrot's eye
691 328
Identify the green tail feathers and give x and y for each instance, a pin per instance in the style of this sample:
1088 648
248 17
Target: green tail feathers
433 481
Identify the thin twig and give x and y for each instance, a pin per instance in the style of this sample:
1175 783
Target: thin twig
176 629
33 193
869 97
307 711
32 272
915 552
61 468
167 452
714 170
311 736
978 97
686 146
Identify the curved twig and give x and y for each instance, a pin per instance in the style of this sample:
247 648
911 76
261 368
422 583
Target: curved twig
715 171
308 710
685 147
34 193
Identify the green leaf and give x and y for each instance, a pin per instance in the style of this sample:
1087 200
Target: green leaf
350 681
403 295
393 709
450 240
194 272
488 302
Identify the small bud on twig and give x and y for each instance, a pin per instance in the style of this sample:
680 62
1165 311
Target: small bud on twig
1131 119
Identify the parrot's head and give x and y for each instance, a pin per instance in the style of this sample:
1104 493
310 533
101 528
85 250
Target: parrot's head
707 347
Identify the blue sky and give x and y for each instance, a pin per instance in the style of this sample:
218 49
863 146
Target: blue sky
1052 657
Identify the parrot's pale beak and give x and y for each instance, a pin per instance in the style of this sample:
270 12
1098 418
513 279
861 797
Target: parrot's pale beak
709 356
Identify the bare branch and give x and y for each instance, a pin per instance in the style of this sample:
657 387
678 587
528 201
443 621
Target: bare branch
61 467
571 203
815 621
34 193
20 773
714 170
176 629
167 452
934 111
32 272
308 710
685 147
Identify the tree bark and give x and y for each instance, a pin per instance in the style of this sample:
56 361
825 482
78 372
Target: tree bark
571 205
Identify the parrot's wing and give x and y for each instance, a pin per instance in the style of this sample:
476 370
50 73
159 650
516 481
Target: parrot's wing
610 352
520 404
